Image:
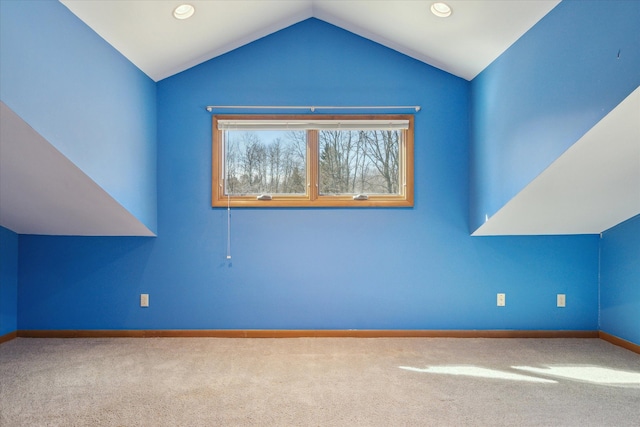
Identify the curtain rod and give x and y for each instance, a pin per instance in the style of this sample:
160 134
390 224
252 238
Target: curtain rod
210 108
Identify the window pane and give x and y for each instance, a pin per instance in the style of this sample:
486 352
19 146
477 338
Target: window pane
265 162
364 161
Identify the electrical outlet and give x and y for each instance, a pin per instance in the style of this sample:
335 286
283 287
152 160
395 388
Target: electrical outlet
561 300
144 300
502 301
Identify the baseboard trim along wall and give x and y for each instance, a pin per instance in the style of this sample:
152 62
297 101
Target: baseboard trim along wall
315 333
8 337
619 342
304 333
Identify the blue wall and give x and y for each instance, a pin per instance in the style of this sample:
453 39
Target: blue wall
545 92
620 280
413 268
8 281
83 97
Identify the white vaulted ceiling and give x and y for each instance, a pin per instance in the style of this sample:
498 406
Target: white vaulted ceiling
146 33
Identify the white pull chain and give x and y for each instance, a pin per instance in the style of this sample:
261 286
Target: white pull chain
228 226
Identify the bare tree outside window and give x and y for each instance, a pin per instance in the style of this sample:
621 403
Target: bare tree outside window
271 162
365 161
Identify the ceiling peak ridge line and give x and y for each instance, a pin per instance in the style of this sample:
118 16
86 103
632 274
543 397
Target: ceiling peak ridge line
312 108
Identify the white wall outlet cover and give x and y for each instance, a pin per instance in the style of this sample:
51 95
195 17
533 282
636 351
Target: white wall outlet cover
501 300
144 300
561 300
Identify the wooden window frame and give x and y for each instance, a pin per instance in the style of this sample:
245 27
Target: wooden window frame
312 198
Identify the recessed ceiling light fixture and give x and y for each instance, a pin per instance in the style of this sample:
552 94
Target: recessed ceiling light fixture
184 11
441 10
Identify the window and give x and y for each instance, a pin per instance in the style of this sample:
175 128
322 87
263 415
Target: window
314 160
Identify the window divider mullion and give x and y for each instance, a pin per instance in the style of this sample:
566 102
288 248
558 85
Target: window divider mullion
312 164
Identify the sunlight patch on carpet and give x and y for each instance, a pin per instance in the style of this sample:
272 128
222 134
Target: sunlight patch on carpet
478 372
591 374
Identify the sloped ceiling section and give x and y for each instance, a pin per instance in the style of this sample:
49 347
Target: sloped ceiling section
464 44
43 192
592 187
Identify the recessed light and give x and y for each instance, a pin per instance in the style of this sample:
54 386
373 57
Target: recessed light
184 11
441 10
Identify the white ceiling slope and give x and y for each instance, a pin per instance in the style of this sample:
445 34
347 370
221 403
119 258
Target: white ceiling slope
464 44
43 192
593 186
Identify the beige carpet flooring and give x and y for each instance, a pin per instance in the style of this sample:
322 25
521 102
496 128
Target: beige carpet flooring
318 382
